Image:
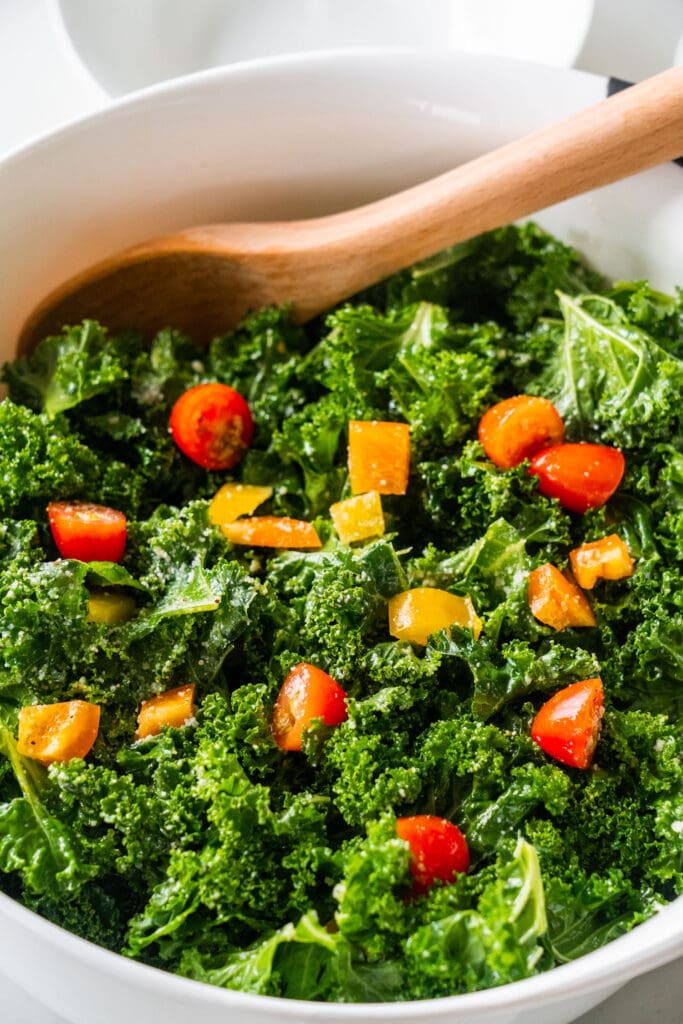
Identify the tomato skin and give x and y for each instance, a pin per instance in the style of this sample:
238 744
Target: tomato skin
90 533
439 849
567 727
581 476
212 424
306 693
519 427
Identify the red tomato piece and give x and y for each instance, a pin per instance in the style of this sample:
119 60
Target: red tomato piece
438 849
567 727
212 424
90 533
517 428
307 693
580 476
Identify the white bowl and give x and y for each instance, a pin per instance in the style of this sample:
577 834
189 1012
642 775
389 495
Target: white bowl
133 43
290 137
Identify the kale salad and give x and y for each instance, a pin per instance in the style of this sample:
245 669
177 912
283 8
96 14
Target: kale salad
423 744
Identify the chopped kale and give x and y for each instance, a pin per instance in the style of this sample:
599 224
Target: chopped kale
209 851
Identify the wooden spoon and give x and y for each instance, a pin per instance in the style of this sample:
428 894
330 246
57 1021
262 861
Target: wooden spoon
204 279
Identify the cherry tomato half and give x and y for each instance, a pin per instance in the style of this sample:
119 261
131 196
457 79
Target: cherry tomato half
580 476
307 693
438 849
90 533
212 424
517 428
567 727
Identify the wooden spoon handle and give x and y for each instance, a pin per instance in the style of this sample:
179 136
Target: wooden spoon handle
617 137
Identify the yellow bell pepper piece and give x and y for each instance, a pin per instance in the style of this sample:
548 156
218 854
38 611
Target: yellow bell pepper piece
415 614
235 500
358 518
110 607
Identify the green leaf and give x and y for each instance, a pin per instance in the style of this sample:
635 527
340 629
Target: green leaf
66 369
610 380
33 842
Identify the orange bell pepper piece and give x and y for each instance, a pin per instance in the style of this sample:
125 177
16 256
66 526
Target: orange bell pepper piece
605 559
359 517
235 500
174 707
272 532
557 602
58 732
415 614
379 456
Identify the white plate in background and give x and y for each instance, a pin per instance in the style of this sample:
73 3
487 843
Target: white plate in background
130 44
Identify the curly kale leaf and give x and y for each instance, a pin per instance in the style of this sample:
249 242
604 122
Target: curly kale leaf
511 275
610 380
193 606
650 657
67 369
160 374
516 669
311 440
35 843
498 942
464 493
261 360
41 461
439 391
335 604
660 315
206 887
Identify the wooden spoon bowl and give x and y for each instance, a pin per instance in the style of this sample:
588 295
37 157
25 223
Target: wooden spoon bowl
204 279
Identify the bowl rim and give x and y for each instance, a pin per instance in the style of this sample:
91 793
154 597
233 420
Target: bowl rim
601 969
649 945
287 63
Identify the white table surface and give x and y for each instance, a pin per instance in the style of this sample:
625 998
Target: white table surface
30 39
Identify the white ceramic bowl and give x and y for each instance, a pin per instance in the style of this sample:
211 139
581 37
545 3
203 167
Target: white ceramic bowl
133 43
290 137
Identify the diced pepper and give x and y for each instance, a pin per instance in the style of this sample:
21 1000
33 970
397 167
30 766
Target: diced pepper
556 601
358 518
174 707
605 559
272 532
518 427
567 727
110 607
235 500
58 732
415 614
438 849
306 694
379 456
